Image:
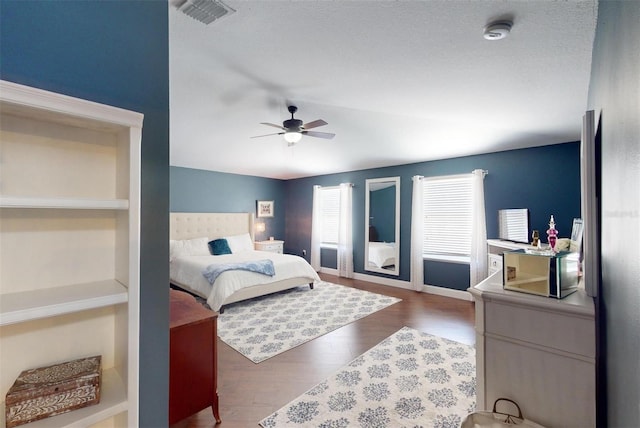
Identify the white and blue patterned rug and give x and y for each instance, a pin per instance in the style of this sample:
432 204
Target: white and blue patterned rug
266 326
410 379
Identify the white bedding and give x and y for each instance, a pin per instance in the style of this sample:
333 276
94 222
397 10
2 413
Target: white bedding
186 271
382 253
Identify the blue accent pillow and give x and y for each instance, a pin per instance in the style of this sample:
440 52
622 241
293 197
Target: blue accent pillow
219 247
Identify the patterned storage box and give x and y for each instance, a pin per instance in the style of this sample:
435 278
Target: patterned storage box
49 391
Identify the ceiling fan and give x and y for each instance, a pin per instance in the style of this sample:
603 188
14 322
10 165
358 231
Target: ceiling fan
294 129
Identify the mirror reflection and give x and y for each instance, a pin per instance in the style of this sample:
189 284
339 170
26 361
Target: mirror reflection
382 220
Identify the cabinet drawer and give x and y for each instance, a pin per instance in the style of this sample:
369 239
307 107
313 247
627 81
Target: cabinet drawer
556 390
553 330
271 246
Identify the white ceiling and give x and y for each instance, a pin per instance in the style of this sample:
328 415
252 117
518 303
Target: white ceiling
397 81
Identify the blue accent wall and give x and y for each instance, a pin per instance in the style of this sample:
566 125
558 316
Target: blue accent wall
546 180
116 53
195 190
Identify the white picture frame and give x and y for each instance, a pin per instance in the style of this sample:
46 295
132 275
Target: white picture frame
264 208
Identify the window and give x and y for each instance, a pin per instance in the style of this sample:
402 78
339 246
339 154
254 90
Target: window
447 205
330 200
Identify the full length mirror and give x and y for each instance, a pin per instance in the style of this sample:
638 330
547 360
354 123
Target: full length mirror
382 224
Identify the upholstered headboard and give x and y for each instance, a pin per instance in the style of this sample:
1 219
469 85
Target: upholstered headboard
211 225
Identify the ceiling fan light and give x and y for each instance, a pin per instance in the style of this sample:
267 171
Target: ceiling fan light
292 137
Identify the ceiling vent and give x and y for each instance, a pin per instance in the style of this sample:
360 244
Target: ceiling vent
205 11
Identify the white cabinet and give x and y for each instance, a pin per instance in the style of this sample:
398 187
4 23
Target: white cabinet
272 246
537 351
69 244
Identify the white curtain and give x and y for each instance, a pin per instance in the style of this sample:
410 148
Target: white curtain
345 234
316 233
417 233
478 259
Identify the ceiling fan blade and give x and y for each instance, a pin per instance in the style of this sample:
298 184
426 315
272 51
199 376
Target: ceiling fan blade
326 135
314 124
267 135
272 124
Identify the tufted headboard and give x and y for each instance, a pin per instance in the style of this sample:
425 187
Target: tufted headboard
211 225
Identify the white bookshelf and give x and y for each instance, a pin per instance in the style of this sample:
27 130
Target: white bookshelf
69 244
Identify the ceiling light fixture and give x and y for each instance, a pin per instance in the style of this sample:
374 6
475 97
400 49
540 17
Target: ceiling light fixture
497 30
292 137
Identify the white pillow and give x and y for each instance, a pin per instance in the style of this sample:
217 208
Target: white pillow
238 243
189 247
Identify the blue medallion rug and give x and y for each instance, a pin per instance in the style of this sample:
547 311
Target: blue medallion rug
411 379
266 326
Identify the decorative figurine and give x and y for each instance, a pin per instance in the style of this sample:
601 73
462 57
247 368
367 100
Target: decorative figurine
552 234
536 238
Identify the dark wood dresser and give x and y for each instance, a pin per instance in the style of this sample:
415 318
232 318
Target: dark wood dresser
192 357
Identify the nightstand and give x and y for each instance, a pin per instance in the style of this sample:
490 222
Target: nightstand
271 246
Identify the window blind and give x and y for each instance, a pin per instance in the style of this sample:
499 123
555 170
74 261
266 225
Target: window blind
330 214
447 206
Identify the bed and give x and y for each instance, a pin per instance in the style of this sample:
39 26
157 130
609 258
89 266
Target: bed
189 257
382 254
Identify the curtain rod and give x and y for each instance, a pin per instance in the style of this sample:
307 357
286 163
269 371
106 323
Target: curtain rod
485 172
337 185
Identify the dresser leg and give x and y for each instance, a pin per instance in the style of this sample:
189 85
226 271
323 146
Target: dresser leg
215 410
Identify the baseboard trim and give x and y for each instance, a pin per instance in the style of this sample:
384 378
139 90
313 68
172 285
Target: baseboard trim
449 292
383 280
429 289
329 271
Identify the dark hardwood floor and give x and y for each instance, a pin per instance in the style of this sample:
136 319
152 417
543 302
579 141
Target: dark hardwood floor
249 392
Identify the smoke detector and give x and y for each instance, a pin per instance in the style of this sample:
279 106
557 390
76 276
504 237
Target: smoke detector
205 11
497 30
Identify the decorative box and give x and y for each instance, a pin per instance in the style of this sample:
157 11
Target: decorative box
49 391
541 272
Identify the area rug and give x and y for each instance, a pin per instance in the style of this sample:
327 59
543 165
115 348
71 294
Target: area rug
410 379
266 326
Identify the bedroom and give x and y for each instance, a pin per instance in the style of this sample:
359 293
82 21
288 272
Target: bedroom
139 80
200 191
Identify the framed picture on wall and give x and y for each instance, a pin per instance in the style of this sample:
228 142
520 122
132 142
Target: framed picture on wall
265 209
